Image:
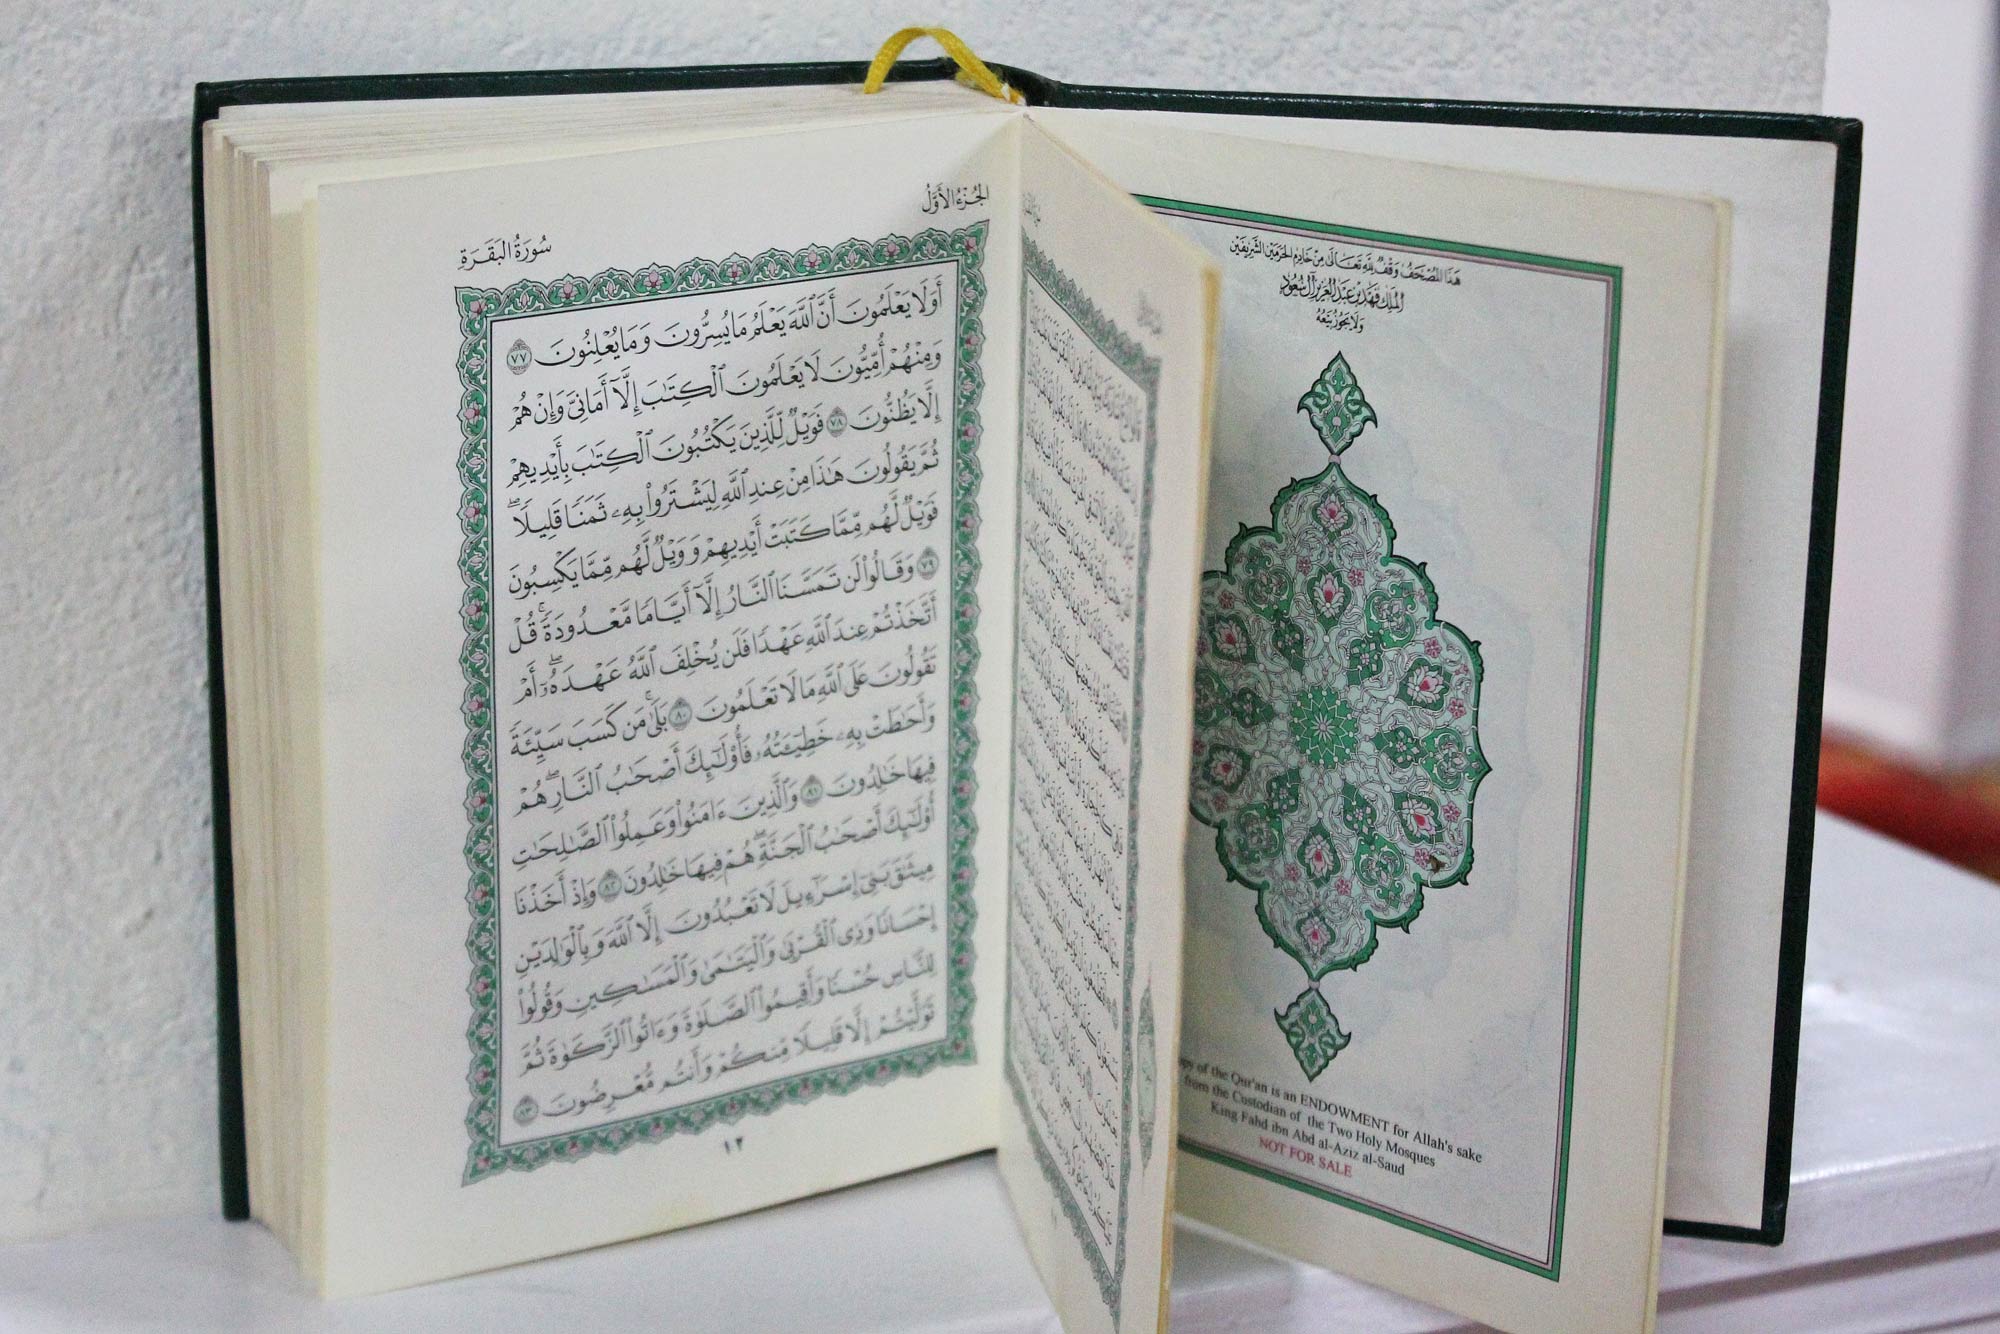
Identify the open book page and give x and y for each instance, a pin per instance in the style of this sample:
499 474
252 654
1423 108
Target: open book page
1781 195
1117 328
665 655
1449 641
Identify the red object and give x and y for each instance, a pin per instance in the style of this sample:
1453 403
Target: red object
1953 817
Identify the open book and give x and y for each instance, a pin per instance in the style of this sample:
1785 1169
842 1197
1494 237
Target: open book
768 636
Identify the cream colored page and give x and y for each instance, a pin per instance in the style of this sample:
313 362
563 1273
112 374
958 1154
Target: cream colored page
312 146
1442 711
1781 197
1117 315
663 640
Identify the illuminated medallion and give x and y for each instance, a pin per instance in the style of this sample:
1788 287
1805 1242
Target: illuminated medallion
1336 749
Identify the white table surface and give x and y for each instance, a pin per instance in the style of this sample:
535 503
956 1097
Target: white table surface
1895 1213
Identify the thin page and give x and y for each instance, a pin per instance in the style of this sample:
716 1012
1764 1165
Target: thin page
1450 627
1117 320
665 878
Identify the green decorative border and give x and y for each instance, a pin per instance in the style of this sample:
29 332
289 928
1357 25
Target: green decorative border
1143 369
479 310
1146 1072
1613 278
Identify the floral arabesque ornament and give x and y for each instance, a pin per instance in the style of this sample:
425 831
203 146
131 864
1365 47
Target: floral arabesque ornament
1336 748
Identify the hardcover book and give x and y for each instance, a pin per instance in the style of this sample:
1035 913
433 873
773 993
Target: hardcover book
1255 655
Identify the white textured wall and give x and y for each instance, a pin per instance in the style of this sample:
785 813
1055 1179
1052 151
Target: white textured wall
106 1090
1911 660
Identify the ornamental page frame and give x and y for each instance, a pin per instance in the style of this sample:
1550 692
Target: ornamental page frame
1127 354
480 311
1548 1264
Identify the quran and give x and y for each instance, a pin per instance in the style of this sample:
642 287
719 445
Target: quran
1258 656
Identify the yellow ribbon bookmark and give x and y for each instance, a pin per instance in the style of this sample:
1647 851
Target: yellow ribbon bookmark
971 69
